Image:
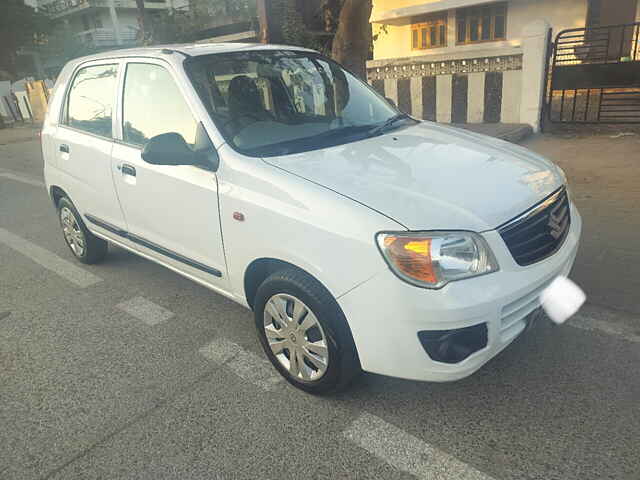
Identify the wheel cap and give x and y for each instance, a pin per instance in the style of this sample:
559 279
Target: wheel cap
295 337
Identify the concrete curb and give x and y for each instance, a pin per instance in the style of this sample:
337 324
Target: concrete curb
19 133
511 132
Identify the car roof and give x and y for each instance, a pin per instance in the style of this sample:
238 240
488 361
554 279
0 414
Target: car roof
188 49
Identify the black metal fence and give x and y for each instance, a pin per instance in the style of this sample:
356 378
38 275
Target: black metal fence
595 75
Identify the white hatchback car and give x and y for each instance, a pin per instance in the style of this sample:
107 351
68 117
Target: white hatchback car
360 237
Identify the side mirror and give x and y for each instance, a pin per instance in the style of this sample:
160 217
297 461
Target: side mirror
168 149
172 149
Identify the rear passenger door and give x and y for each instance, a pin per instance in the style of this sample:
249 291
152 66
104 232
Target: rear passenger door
171 211
84 143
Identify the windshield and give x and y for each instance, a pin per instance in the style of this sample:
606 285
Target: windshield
268 103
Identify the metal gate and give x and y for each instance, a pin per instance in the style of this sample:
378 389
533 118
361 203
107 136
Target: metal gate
595 75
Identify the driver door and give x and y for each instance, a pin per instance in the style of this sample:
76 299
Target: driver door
171 212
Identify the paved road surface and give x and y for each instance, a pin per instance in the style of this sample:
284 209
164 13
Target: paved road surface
127 370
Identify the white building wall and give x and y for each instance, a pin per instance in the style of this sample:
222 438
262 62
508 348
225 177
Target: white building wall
395 40
127 18
511 96
475 107
560 14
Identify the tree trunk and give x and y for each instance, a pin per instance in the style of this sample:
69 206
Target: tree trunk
142 22
352 42
264 9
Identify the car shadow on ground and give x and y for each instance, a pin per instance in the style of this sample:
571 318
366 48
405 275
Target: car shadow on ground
123 258
550 401
549 365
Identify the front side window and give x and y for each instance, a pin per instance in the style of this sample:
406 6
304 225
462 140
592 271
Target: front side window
281 102
481 24
429 32
91 99
153 104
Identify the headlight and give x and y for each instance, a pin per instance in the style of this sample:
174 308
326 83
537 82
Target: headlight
433 259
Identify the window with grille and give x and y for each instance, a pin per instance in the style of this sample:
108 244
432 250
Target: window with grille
429 32
481 24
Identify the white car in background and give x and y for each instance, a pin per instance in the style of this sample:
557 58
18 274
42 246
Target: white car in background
361 238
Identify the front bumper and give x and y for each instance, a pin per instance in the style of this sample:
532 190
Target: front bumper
385 314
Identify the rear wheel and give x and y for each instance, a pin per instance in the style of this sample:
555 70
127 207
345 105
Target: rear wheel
304 333
85 246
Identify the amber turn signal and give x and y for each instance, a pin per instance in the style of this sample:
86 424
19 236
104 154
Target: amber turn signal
412 256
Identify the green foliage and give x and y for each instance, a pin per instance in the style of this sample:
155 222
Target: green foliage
20 26
179 25
382 31
64 46
292 29
171 26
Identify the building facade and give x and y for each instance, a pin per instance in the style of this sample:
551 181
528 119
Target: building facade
475 61
99 23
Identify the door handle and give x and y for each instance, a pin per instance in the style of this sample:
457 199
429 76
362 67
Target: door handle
128 169
64 148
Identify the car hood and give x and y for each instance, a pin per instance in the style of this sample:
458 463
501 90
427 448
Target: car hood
429 177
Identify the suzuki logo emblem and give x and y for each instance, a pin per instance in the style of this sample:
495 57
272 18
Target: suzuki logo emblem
558 220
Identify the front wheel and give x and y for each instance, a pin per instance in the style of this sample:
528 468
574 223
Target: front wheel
304 333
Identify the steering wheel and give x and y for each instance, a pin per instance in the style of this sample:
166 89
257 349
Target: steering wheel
248 115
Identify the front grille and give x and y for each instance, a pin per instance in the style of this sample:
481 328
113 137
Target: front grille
540 231
513 317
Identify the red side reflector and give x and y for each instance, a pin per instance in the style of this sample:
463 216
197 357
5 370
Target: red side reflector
238 216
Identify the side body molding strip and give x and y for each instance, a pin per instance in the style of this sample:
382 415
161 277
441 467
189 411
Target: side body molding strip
152 246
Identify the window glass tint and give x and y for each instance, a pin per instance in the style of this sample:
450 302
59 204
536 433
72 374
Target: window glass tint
430 32
486 24
91 99
499 27
473 29
308 83
462 28
280 102
153 104
481 24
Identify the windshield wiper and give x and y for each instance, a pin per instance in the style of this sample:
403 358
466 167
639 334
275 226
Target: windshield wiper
379 129
328 138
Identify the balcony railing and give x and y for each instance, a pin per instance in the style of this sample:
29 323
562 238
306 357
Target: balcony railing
106 37
63 7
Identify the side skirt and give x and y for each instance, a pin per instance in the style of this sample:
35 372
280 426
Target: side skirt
153 246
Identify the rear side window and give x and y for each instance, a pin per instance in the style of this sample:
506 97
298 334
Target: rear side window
153 104
91 99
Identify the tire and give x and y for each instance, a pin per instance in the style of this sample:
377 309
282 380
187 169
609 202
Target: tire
85 246
287 294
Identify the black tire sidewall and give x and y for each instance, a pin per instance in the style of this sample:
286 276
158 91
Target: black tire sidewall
95 248
331 318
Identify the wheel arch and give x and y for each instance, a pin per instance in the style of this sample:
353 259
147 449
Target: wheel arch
56 193
259 269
